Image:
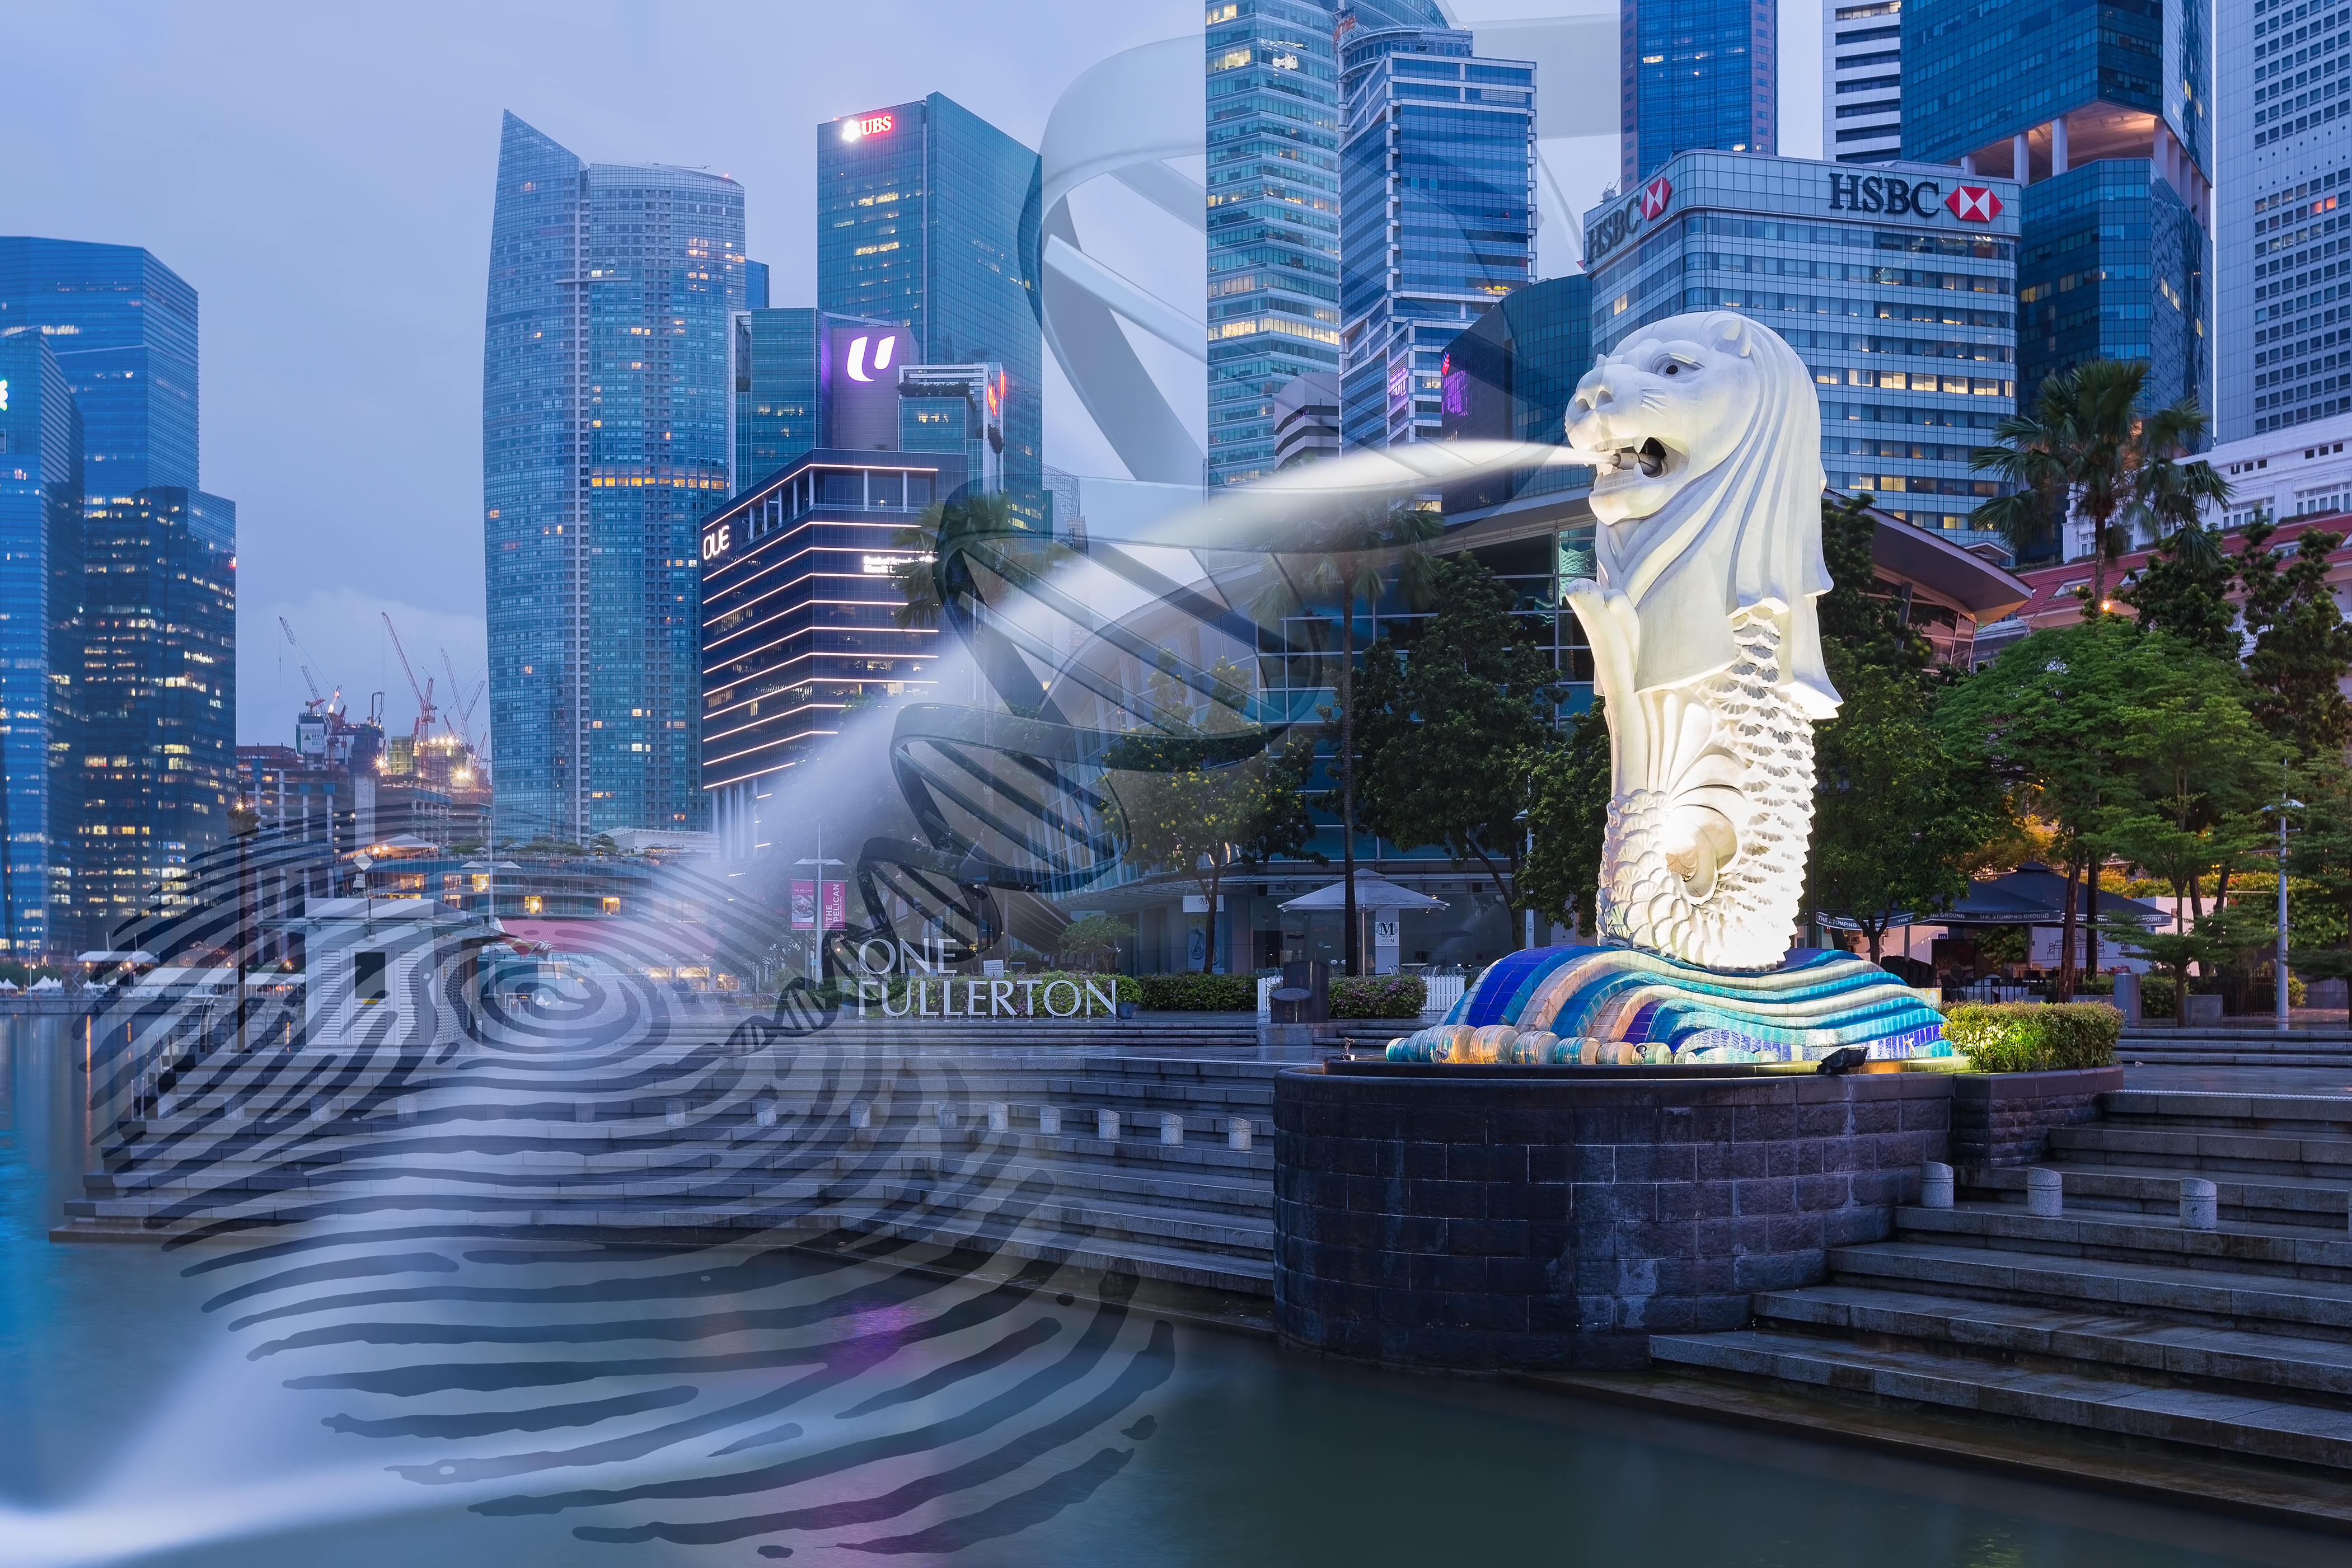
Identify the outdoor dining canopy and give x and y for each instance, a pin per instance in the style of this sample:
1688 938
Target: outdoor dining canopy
1371 893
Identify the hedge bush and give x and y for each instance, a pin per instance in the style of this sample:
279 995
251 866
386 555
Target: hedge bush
1378 997
2034 1036
1198 993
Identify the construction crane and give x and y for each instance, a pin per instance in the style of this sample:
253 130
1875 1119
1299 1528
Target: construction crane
425 708
303 662
463 725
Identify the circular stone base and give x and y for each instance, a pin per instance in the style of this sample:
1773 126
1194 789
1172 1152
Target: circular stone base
1489 1220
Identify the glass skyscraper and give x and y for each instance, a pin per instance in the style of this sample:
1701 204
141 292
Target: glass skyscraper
605 439
1899 301
1696 75
927 219
40 646
2099 113
2283 138
1274 219
123 326
1437 164
151 663
158 750
1510 376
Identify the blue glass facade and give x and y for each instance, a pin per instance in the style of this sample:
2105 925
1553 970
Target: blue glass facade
2105 106
1437 203
797 606
123 326
157 753
927 219
605 437
1510 375
40 646
1695 74
1903 309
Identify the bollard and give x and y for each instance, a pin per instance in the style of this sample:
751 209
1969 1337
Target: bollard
167 1105
1237 1134
675 1114
1107 1125
231 1112
1935 1186
948 1118
319 1109
861 1116
1049 1119
2200 1205
408 1111
999 1116
1171 1128
583 1111
2045 1194
763 1111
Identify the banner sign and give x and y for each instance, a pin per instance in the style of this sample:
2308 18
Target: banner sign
805 904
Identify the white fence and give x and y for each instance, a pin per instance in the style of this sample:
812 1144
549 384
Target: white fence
1444 990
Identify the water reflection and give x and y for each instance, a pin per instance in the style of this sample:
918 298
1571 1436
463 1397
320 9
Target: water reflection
515 1399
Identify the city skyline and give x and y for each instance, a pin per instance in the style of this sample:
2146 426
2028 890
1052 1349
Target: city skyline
329 567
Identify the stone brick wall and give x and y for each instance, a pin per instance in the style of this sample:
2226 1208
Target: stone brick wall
1483 1218
2004 1118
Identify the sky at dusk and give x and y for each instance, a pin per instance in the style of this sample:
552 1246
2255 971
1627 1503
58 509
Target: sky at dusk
322 175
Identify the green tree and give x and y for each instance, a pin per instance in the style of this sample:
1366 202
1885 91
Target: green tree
1089 938
1862 625
2087 451
2301 644
2184 590
1450 722
1897 812
1352 558
2188 786
1569 789
2043 717
1205 819
2319 857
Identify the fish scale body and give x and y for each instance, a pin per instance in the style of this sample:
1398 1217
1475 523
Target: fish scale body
1744 920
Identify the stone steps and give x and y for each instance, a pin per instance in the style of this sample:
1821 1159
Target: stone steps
2256 1301
2267 1200
2316 1369
2111 1321
2110 1407
676 1144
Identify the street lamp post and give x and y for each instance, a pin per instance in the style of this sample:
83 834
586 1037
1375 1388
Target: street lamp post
2278 962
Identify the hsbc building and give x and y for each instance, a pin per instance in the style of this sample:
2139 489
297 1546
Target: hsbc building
1895 282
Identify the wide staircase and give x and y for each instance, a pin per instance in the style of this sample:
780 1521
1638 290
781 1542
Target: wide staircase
2245 1044
1155 1161
2116 1320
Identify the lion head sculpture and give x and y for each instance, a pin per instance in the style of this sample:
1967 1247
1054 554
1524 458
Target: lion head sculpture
1706 642
1708 499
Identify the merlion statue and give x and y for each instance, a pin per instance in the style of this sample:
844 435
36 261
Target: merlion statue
1705 640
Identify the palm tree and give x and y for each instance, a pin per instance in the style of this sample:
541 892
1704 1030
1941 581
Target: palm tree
1342 565
2169 496
2072 454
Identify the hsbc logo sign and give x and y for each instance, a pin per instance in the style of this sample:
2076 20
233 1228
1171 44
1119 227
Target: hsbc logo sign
1645 207
1899 197
1973 203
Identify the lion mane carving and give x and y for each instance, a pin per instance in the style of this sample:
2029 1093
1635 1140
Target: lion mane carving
1706 643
